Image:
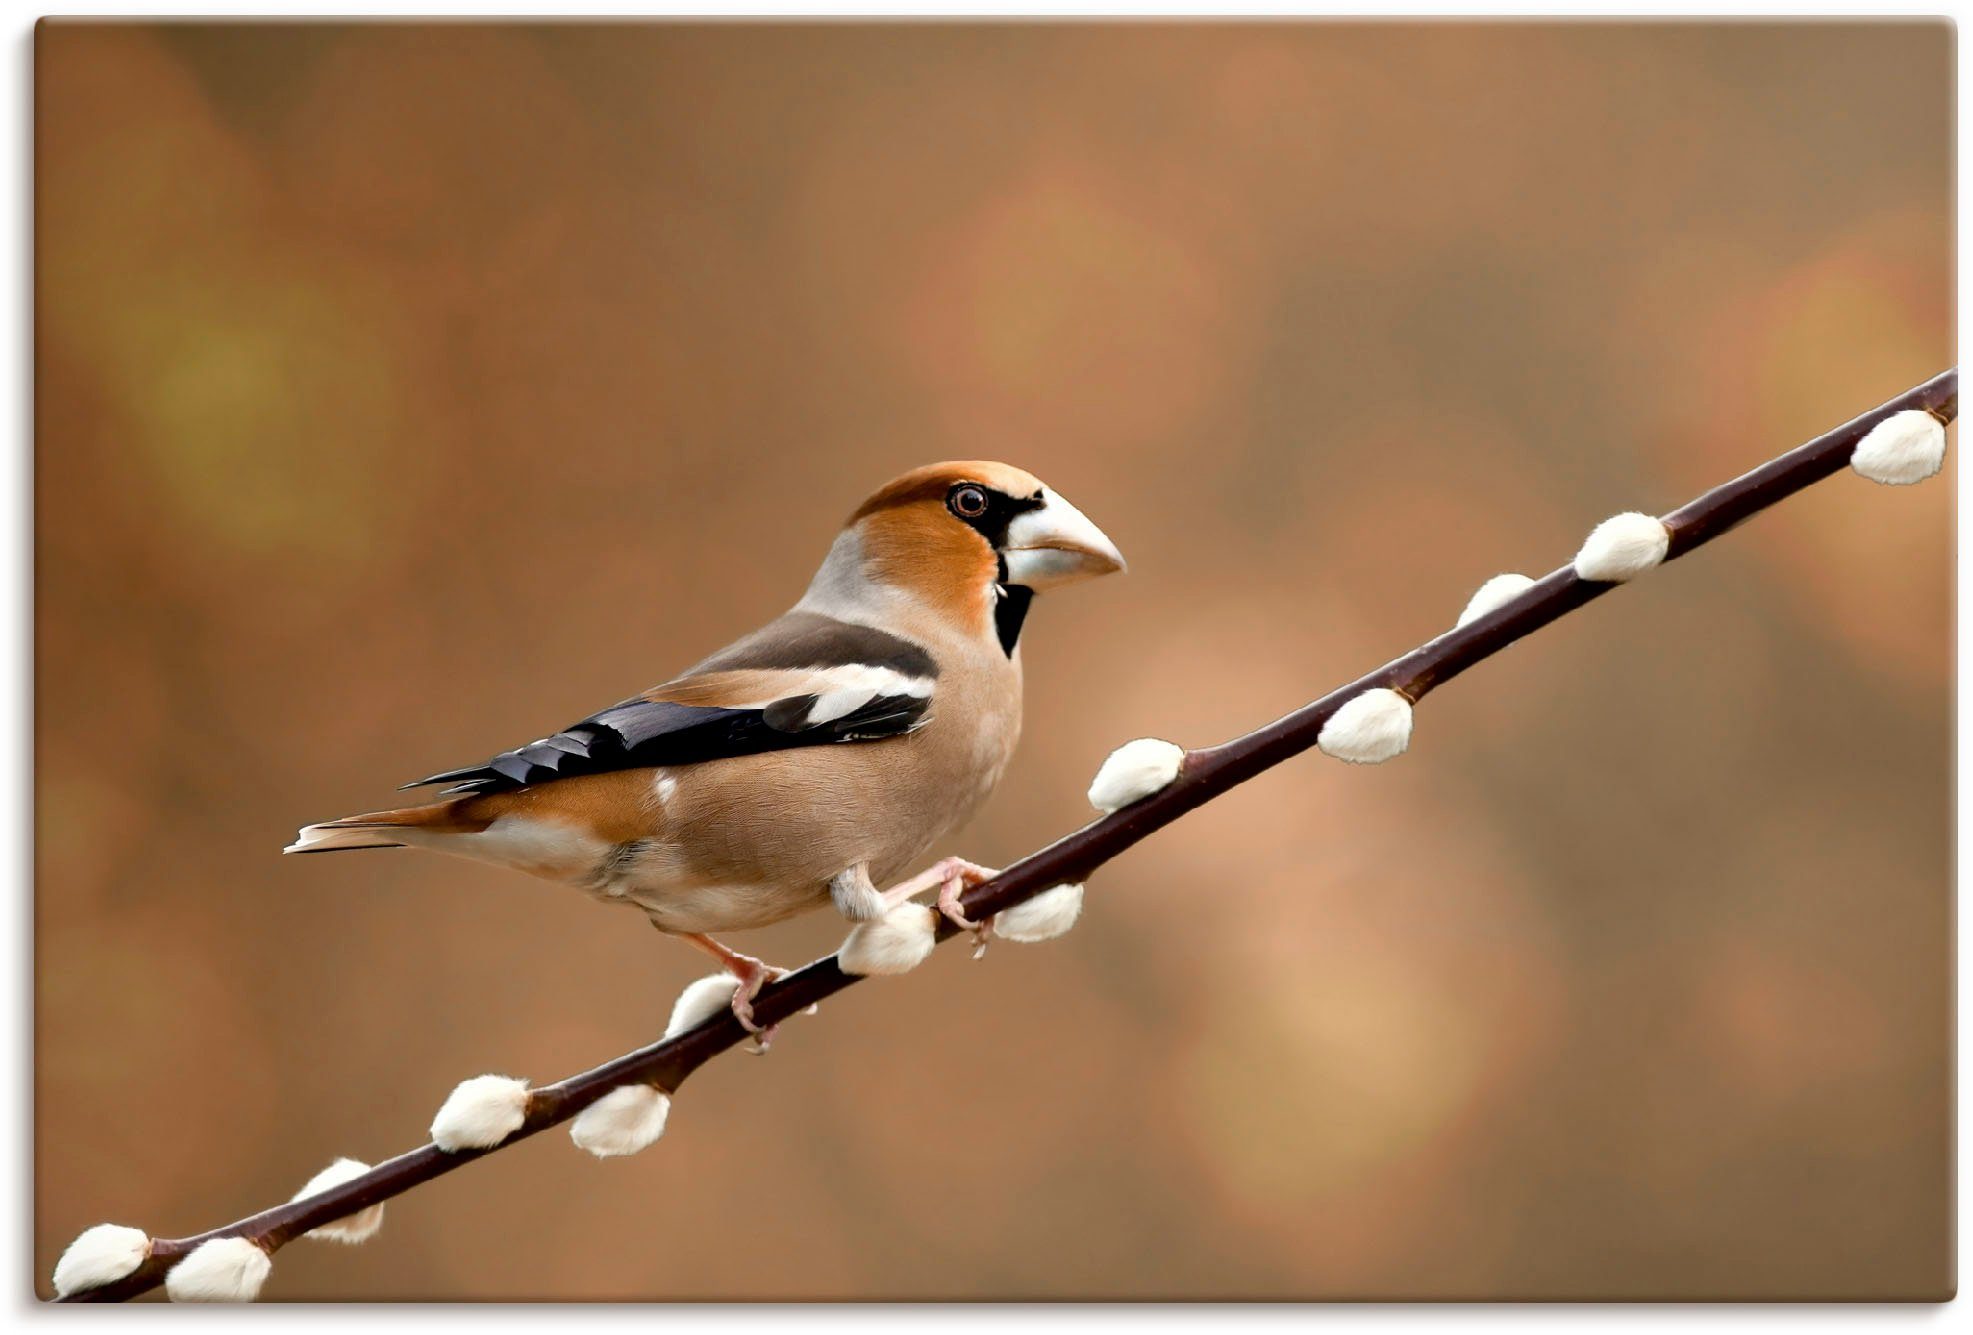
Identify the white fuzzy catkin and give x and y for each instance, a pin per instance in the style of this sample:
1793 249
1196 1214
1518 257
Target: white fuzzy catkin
1496 592
700 1001
480 1113
1043 918
351 1229
1369 729
1133 772
100 1255
625 1120
1623 547
896 943
1904 448
224 1270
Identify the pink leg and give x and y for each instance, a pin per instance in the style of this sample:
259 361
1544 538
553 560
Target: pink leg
752 975
953 877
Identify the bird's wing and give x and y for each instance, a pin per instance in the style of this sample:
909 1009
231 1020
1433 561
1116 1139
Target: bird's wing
804 680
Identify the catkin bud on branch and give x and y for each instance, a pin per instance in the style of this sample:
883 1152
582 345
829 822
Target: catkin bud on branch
1143 787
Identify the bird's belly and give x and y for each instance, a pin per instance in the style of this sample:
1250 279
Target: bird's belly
798 818
654 875
719 907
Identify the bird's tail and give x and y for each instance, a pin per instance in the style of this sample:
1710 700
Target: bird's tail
383 829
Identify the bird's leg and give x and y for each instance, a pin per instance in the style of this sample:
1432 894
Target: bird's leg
751 974
855 896
953 877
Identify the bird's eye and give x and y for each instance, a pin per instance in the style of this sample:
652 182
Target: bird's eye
968 502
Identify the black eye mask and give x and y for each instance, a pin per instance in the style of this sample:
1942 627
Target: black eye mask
1001 510
1010 601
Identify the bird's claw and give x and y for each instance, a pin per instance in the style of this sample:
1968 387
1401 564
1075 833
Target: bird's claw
960 877
752 978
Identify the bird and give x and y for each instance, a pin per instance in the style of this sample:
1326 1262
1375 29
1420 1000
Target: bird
807 763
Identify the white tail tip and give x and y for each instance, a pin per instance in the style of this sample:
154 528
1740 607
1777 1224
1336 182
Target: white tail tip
323 838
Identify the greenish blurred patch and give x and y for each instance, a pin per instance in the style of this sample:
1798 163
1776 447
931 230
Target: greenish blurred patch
267 408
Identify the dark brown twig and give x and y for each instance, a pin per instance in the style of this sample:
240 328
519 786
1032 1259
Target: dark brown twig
1206 774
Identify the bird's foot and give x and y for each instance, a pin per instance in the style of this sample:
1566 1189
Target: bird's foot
950 906
753 975
750 976
953 877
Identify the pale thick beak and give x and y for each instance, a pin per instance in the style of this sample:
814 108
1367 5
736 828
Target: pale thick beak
1057 544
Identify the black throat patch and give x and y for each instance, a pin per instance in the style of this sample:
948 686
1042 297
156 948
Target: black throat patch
1010 609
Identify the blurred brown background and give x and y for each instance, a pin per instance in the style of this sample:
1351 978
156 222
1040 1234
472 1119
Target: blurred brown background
406 391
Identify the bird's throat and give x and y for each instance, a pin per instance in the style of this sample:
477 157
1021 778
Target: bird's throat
1010 609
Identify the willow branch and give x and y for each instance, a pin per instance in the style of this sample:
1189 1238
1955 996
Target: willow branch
1204 775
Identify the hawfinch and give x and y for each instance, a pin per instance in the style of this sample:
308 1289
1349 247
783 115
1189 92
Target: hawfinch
807 763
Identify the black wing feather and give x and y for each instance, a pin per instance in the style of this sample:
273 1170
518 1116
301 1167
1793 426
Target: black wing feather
639 732
657 732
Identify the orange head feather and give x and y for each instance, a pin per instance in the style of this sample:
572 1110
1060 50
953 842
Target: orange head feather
972 539
915 536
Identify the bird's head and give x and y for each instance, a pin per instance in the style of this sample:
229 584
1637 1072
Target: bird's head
971 537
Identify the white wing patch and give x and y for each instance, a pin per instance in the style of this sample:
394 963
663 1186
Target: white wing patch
840 691
848 689
832 705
